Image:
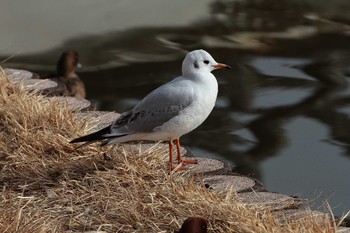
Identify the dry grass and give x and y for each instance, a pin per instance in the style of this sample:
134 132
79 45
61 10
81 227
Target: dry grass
47 186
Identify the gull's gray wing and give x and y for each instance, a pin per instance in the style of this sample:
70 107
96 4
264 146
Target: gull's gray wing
156 108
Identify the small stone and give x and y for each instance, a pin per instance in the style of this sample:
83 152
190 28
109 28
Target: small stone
103 119
17 74
343 230
37 85
88 211
268 199
59 90
95 232
138 146
224 182
50 194
75 103
205 165
300 214
90 114
107 119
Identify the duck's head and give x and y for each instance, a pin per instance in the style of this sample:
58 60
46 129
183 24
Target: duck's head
67 64
194 225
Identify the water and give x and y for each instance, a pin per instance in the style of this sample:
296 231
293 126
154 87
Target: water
282 114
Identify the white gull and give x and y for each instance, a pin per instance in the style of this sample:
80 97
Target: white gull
170 111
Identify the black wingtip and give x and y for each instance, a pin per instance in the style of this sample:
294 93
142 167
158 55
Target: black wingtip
81 139
96 136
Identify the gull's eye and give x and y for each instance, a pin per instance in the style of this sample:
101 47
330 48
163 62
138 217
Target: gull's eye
206 62
195 64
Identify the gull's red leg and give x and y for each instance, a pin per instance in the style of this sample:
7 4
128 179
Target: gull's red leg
179 159
177 143
170 155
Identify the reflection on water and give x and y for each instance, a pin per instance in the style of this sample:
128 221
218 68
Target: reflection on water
282 114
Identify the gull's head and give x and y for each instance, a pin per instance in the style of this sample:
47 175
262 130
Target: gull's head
200 61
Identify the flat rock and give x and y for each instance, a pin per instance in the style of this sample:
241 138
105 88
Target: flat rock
108 119
141 147
205 165
225 182
95 232
102 118
59 90
293 215
30 81
343 230
74 103
270 200
36 85
17 74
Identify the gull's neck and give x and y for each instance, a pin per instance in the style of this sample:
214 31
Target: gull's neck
201 78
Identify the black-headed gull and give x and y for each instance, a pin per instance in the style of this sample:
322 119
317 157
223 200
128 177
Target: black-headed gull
170 111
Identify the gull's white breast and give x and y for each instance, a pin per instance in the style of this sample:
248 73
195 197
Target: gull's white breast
205 89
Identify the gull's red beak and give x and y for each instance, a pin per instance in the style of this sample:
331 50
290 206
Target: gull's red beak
222 66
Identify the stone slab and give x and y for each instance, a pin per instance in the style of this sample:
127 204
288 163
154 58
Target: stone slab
95 232
225 182
17 74
137 147
268 199
74 103
205 165
37 85
102 118
59 90
107 119
32 82
343 230
294 215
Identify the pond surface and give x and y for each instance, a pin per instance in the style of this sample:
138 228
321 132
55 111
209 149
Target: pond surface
283 113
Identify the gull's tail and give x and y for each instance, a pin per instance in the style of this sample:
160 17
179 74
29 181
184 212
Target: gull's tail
101 135
104 135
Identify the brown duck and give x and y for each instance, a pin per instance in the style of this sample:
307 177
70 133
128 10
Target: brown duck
194 225
65 74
